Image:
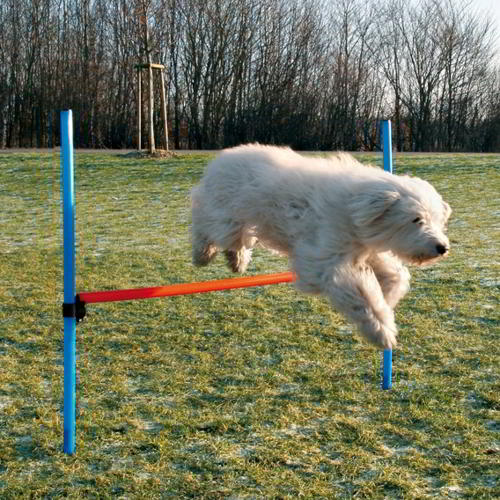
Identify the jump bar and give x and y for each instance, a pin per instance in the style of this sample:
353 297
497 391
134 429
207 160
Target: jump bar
185 288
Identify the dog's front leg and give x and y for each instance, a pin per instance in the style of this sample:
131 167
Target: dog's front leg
355 291
393 276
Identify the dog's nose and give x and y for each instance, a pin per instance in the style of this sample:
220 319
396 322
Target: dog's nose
441 249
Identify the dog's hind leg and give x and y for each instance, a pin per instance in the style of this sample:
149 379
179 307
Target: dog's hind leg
239 253
238 260
392 275
203 249
203 252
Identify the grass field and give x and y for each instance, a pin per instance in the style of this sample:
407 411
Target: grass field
259 393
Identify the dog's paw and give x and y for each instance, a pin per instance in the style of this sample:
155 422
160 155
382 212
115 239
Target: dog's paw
238 260
387 337
379 334
202 255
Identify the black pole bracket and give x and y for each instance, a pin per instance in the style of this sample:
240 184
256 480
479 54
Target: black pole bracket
76 310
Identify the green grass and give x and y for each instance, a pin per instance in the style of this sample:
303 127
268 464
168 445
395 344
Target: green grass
255 393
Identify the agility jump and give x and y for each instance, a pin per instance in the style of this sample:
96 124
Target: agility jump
74 304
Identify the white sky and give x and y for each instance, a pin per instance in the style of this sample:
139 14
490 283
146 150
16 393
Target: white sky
492 9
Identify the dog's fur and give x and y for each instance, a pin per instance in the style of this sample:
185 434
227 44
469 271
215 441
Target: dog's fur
346 227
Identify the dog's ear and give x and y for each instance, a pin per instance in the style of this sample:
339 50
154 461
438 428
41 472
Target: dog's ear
369 206
447 210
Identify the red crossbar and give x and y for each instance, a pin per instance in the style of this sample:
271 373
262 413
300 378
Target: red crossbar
186 288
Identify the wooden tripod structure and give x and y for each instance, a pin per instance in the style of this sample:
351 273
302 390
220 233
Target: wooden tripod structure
150 67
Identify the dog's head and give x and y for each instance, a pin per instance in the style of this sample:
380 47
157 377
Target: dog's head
405 215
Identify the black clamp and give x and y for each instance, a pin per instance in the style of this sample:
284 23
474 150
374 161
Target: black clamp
76 310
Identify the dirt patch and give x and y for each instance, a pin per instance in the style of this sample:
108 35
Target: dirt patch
159 153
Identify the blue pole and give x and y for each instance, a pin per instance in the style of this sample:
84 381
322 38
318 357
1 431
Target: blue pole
387 146
69 281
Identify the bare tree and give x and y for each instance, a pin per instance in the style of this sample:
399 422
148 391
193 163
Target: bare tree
350 72
466 50
490 128
315 74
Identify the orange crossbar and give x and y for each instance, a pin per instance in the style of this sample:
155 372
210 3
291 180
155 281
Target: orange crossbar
186 288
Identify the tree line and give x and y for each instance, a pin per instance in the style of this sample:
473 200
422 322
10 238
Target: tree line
314 74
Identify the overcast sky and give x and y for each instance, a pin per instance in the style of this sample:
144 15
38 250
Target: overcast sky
492 8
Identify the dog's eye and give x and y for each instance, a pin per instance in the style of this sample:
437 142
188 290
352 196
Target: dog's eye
417 220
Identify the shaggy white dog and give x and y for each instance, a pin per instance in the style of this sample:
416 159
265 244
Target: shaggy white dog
346 227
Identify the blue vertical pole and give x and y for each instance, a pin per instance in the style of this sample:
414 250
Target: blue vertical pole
387 147
69 281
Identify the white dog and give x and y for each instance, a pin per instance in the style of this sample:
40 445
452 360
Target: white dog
346 227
